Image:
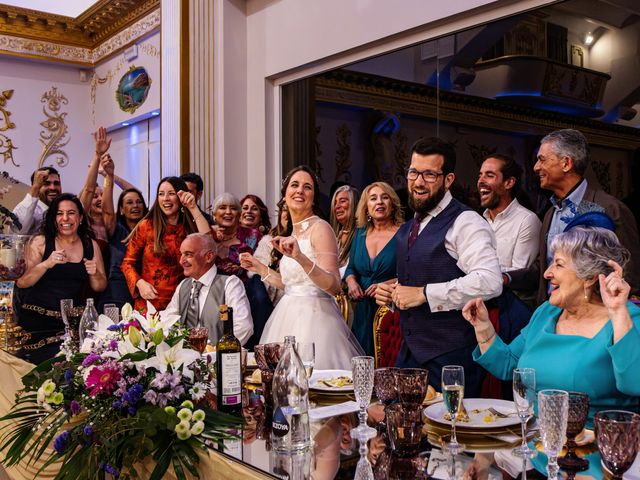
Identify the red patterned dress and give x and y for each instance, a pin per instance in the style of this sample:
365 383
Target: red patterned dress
162 270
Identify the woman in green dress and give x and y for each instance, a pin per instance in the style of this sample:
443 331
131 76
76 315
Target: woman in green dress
372 259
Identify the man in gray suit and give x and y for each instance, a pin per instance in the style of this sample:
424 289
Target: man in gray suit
199 296
563 159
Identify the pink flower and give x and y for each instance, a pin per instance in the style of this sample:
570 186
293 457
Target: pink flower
102 379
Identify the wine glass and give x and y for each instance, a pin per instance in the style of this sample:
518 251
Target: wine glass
198 337
362 371
618 435
112 311
384 384
307 353
578 412
412 384
452 394
524 396
553 411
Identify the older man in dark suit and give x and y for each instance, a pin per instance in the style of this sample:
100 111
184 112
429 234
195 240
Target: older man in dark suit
563 159
446 256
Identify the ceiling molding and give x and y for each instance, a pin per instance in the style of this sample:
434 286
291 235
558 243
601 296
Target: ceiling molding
105 28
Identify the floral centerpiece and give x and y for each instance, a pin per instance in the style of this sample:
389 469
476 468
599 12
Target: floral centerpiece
134 391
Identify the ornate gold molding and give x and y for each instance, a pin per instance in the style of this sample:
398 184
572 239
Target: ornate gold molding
56 129
53 37
6 145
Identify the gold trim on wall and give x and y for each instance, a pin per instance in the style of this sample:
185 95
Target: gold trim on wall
56 129
6 144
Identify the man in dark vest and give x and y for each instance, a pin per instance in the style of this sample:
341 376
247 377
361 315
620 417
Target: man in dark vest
199 296
446 256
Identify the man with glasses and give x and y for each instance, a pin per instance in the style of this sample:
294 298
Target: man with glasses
446 256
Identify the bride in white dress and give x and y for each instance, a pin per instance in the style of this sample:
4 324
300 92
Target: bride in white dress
309 277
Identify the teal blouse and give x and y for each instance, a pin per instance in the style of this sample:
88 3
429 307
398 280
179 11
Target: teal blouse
609 373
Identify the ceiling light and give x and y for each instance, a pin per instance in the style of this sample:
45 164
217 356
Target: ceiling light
125 124
588 39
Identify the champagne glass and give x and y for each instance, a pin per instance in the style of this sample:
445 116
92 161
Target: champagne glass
362 371
452 394
112 311
578 412
618 435
553 411
524 396
307 353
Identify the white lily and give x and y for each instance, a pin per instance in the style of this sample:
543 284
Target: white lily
175 357
154 321
125 347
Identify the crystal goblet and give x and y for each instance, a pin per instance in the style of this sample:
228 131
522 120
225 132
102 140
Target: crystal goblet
618 435
362 371
412 385
578 413
553 410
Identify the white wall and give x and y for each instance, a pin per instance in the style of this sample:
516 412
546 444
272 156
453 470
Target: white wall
29 80
289 39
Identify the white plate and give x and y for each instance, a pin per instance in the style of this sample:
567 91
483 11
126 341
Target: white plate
436 413
317 375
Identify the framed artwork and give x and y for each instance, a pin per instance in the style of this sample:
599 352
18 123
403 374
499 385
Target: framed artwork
133 89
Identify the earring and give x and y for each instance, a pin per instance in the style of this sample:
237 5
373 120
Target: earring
368 217
586 294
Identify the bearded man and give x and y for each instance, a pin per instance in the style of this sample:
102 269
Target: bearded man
446 256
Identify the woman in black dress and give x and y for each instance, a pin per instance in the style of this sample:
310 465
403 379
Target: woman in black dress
60 261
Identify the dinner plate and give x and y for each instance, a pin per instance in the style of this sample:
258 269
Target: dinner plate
315 382
479 416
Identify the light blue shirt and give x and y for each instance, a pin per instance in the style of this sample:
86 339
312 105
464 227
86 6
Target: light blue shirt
563 212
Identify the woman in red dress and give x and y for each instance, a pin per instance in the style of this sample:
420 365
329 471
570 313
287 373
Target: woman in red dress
151 264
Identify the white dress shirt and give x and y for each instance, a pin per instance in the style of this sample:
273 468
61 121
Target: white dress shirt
471 242
235 297
30 211
517 231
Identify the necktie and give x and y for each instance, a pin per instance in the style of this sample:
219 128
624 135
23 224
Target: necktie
192 309
415 229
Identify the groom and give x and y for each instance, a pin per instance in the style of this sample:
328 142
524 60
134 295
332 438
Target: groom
446 256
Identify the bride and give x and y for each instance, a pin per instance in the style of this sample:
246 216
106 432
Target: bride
309 277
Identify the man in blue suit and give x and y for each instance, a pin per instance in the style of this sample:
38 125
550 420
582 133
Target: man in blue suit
446 256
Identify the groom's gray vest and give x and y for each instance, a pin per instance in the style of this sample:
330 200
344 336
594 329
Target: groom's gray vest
210 314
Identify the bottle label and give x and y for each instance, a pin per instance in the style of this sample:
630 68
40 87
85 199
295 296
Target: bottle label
279 425
231 376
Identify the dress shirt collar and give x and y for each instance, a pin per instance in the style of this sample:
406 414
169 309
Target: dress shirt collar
207 279
573 198
512 207
442 204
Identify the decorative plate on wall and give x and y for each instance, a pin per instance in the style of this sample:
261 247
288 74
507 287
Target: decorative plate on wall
133 89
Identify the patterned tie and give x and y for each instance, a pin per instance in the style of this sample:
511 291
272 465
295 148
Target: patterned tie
415 228
192 309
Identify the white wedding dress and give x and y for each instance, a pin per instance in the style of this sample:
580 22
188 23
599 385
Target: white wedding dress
309 313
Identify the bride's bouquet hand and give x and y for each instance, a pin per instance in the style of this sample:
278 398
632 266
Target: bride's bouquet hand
287 246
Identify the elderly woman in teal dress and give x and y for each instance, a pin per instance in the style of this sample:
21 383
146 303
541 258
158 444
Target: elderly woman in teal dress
372 259
586 337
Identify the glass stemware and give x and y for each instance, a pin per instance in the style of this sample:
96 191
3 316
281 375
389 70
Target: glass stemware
578 412
412 385
553 411
386 390
307 353
618 435
198 337
362 371
71 317
452 394
524 396
112 311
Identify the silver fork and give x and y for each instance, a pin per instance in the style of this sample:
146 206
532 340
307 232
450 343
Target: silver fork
500 414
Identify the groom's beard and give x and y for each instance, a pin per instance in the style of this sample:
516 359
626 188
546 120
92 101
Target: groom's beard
423 207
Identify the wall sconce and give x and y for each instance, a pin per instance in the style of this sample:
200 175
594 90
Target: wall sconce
588 39
593 36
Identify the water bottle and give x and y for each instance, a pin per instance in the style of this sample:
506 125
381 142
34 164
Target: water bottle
290 425
88 322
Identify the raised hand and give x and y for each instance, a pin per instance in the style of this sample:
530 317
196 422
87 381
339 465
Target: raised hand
187 199
38 181
107 167
614 290
476 313
90 265
57 257
102 142
251 264
287 246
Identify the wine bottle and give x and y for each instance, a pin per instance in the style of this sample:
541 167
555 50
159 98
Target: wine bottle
290 425
88 322
228 366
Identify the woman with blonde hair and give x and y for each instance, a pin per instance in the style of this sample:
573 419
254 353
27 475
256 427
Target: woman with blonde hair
343 221
373 255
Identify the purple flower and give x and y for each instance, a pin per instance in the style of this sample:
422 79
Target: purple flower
88 430
91 358
117 404
111 470
60 443
150 397
75 407
132 411
67 375
113 345
115 328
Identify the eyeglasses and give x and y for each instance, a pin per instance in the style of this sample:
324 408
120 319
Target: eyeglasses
428 176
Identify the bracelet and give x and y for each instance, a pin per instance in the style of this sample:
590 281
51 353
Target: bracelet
267 275
488 339
312 267
195 219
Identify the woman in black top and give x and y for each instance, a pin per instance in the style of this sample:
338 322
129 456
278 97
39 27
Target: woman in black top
59 263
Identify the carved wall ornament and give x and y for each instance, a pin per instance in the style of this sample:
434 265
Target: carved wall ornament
52 138
401 159
602 171
5 123
6 149
479 152
343 153
96 80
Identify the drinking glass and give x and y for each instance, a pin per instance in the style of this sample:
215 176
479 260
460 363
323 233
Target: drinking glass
578 412
198 337
524 396
553 411
307 353
452 394
412 384
362 371
404 427
112 311
618 435
385 387
71 317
